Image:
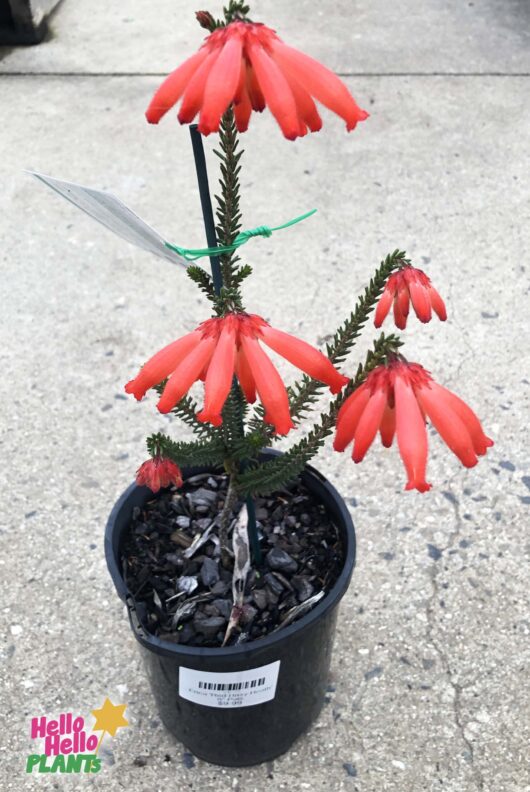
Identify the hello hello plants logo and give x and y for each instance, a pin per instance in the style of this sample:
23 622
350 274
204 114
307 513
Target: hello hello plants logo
69 747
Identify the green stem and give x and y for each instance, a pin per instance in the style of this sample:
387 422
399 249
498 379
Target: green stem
265 478
228 211
303 394
229 225
225 519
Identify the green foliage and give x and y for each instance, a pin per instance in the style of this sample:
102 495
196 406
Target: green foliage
233 444
346 335
228 226
247 447
186 410
304 393
383 347
235 10
228 209
200 452
234 410
199 276
270 476
243 272
229 300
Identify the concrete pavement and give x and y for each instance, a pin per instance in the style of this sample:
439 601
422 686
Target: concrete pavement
430 677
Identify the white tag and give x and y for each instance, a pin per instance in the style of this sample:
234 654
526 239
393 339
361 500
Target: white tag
237 689
114 215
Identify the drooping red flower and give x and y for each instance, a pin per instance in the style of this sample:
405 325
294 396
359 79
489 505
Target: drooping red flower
220 347
247 65
403 287
158 472
395 399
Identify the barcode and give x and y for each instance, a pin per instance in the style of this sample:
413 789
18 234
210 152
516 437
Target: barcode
232 685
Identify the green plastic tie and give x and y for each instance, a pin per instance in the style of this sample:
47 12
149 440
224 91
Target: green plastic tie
191 254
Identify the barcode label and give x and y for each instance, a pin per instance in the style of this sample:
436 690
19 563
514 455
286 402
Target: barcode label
235 689
231 685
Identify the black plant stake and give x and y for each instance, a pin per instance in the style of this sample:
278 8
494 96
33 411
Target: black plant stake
206 204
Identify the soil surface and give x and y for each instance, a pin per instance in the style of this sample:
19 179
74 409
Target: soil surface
182 590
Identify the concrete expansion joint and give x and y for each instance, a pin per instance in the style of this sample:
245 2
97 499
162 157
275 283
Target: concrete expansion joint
456 687
339 74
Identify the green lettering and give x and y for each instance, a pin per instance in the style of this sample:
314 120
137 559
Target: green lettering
31 761
74 763
58 764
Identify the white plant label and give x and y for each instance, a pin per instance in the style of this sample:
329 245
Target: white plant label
236 689
108 210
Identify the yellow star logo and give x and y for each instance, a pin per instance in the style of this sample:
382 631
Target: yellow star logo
109 717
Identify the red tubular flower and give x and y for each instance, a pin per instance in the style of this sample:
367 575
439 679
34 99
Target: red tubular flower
246 65
394 400
409 285
158 472
220 347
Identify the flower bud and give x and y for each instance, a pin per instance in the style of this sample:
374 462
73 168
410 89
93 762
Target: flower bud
205 20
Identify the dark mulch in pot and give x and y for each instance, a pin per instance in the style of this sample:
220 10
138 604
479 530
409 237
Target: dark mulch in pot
188 600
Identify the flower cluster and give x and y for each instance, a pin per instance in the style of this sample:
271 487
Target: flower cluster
403 287
222 347
394 399
245 64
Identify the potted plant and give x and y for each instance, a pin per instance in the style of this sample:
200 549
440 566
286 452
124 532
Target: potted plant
231 557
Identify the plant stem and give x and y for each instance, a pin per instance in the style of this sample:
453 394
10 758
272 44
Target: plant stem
229 217
225 519
303 394
228 212
272 475
229 299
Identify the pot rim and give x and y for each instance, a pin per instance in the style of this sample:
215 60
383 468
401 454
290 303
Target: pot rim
332 598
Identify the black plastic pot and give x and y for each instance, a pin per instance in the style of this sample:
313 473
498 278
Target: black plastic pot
297 660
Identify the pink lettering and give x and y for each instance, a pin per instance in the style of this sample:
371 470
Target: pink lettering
52 745
92 742
38 727
53 727
66 745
